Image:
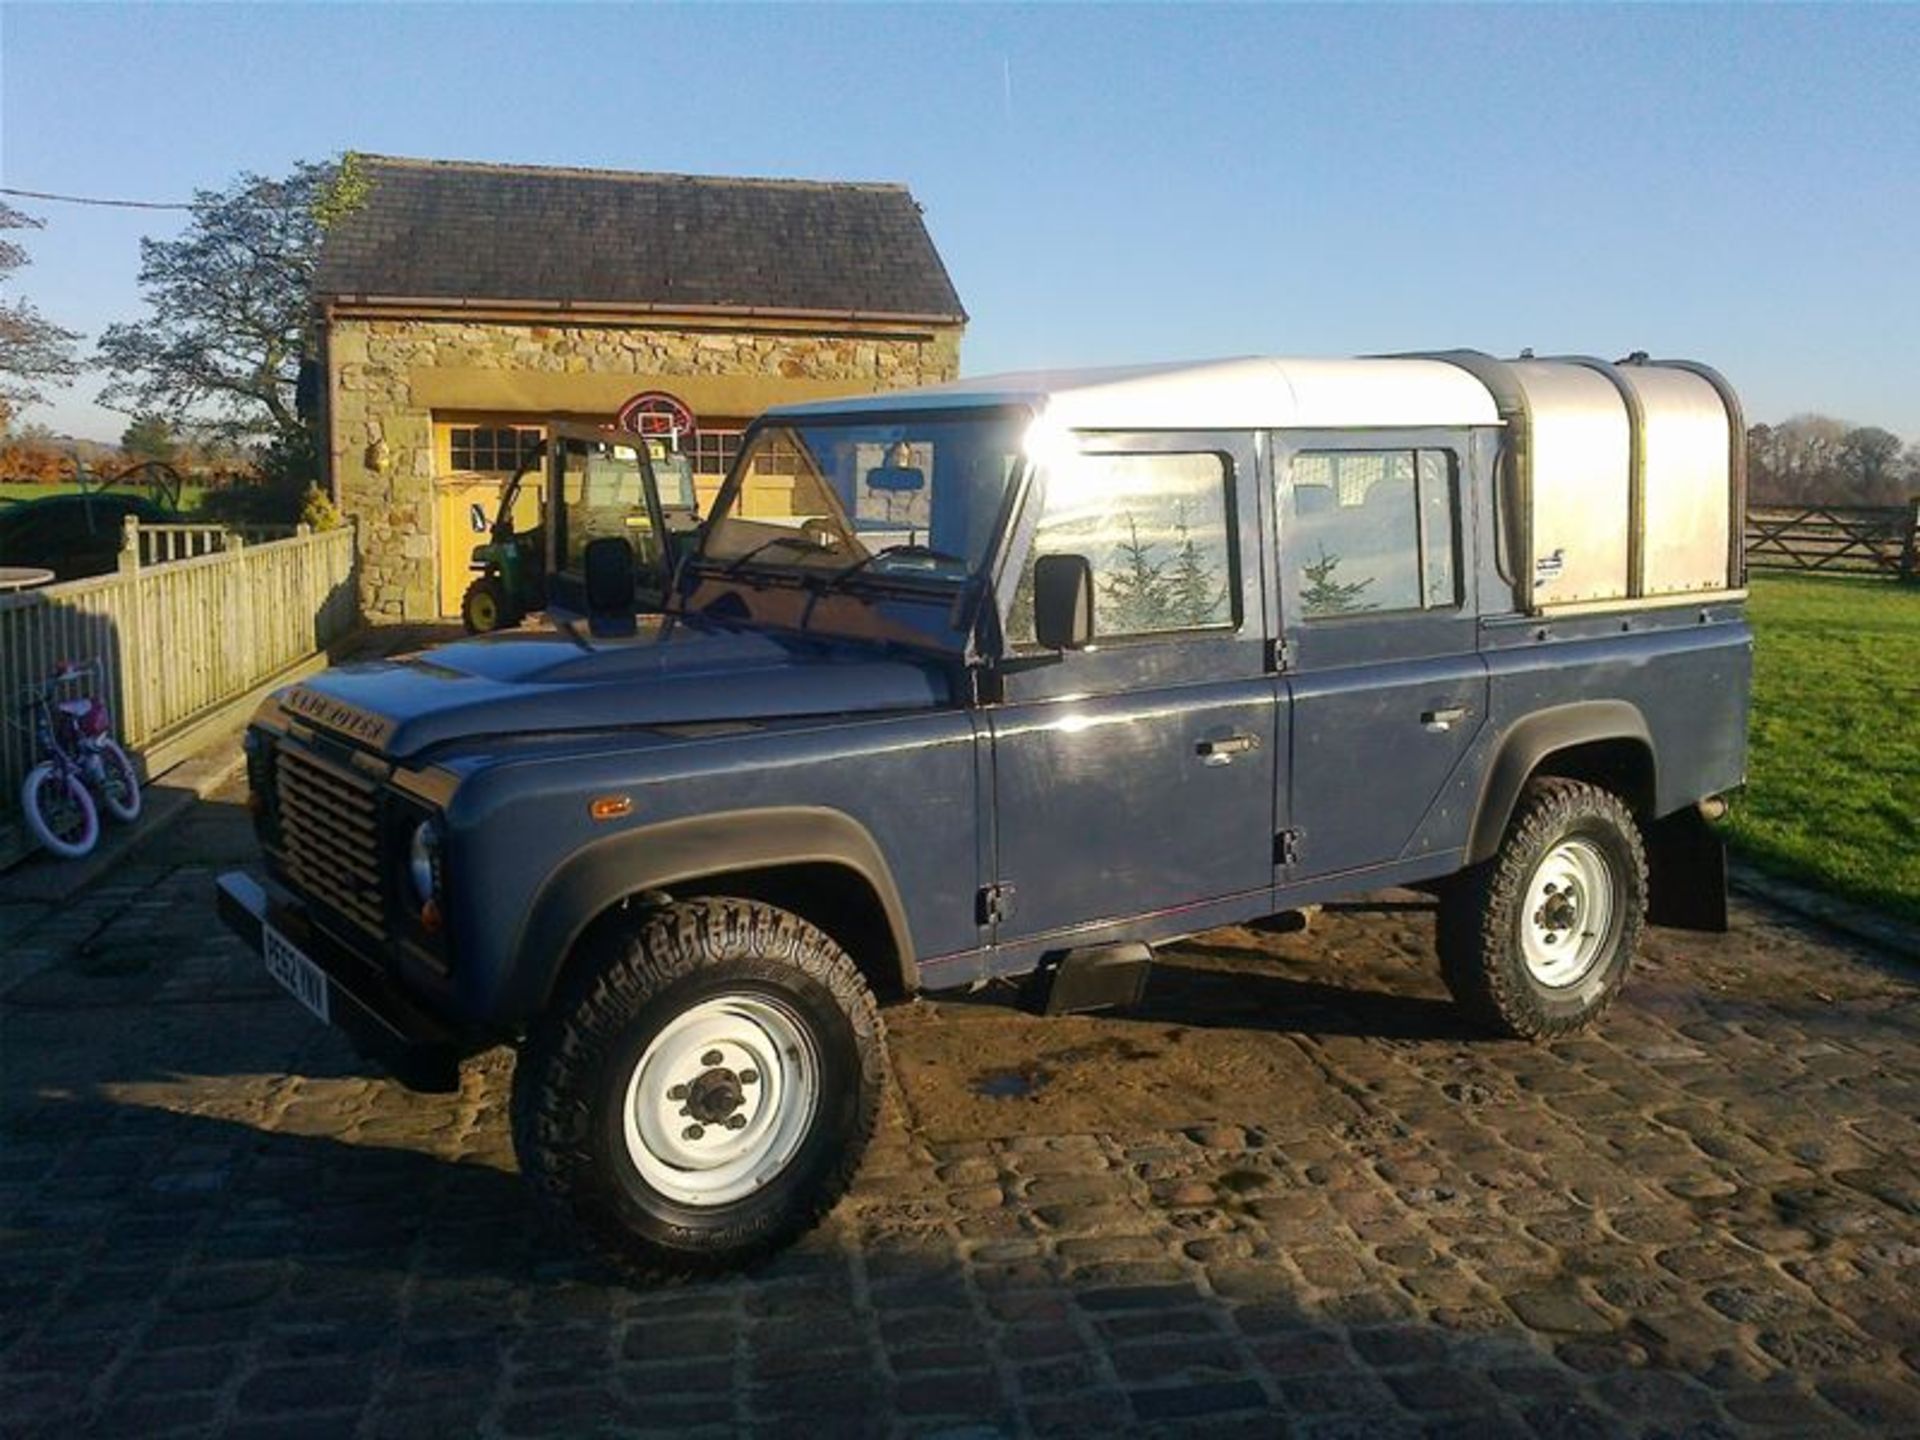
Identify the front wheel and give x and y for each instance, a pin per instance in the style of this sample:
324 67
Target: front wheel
119 782
1537 941
59 811
702 1092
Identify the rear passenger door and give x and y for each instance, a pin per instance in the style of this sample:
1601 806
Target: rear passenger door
1388 688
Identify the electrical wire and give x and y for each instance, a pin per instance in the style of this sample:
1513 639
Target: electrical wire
89 200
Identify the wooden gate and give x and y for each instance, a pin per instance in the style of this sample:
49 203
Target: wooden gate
1841 540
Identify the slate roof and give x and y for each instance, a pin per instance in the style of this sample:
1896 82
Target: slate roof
452 230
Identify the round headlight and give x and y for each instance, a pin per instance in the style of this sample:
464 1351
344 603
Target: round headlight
423 861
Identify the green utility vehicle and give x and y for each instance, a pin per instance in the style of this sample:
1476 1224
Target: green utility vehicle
584 466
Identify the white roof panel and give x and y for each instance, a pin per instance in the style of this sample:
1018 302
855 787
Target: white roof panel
1250 393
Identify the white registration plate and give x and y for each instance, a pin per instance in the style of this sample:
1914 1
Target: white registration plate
306 980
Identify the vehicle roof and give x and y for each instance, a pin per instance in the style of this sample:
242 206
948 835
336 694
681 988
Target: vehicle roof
1250 392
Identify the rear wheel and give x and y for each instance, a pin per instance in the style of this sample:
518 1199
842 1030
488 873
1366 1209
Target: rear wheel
703 1092
119 783
1537 941
59 811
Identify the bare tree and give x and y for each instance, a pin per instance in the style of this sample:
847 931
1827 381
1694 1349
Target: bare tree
34 352
1818 460
1870 465
229 302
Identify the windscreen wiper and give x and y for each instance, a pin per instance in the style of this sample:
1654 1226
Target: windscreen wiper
733 565
908 548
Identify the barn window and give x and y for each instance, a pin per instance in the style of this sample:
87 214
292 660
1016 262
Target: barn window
490 448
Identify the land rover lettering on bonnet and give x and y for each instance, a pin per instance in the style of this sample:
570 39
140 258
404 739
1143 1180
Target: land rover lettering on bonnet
1017 679
362 725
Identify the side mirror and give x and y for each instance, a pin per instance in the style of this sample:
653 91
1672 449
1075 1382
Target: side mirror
1063 602
608 567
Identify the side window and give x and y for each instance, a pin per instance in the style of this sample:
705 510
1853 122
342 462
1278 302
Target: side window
1154 528
1374 531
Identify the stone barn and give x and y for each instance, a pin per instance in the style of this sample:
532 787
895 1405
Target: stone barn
462 305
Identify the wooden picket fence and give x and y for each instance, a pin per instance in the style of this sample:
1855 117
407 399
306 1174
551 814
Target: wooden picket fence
172 642
1839 540
163 544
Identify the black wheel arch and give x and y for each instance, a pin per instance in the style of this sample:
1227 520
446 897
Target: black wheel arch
1603 741
818 863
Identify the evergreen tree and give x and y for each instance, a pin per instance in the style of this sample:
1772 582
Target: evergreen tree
1193 597
1137 586
1323 594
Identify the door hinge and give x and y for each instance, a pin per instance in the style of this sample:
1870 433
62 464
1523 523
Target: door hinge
994 904
1286 848
1283 655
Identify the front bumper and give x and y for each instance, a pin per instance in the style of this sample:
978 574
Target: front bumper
384 1024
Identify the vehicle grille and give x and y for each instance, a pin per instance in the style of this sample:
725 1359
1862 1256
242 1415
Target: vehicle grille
330 836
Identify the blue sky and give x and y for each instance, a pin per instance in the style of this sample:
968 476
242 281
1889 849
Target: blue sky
1740 185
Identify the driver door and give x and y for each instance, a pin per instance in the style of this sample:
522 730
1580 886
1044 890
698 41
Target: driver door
1134 780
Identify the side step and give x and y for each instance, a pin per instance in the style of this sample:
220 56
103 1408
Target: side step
1095 977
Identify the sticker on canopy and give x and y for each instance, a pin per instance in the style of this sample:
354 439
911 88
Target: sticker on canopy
1548 568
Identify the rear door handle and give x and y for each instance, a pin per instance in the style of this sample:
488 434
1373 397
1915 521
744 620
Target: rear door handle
1443 718
1222 751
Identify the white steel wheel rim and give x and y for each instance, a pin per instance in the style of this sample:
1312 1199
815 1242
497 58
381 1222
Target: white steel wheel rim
721 1100
1568 919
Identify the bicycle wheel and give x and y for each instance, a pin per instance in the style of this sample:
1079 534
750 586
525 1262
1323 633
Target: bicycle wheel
59 811
119 782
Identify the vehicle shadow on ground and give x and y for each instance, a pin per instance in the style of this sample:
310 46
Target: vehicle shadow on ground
355 1280
1250 994
321 1244
1219 981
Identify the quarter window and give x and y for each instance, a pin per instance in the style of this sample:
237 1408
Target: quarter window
1374 531
1153 527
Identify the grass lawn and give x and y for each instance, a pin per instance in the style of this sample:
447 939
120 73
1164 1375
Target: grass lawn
1833 793
189 494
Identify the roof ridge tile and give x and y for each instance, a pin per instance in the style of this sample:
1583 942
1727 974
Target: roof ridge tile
493 167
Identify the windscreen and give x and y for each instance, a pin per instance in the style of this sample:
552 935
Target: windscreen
893 498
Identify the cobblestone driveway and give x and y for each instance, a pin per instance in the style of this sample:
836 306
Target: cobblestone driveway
1289 1196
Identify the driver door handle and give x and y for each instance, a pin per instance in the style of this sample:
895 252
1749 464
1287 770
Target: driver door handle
1222 750
1444 718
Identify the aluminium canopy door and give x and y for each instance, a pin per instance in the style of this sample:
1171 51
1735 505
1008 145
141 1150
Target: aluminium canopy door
1133 781
1387 687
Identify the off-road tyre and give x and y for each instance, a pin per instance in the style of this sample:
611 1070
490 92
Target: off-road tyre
487 607
571 1082
1483 910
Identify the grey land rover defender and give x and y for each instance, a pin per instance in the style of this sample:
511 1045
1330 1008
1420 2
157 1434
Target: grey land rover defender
1019 677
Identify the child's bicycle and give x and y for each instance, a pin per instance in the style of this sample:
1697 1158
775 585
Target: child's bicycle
81 760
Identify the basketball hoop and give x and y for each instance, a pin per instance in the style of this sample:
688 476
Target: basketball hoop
656 415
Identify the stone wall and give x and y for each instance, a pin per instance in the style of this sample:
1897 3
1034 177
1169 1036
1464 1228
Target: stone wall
386 377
